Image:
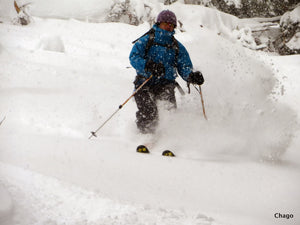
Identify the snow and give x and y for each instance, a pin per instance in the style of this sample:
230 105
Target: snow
291 17
236 3
5 206
60 79
294 43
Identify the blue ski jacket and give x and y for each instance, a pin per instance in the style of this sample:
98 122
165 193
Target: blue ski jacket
159 53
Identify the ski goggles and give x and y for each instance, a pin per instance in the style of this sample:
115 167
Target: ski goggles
168 24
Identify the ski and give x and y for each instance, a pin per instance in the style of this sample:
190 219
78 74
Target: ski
144 149
168 153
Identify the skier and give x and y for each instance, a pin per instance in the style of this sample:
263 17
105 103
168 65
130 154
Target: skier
159 54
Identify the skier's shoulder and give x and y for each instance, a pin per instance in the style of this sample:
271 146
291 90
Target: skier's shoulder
145 37
181 48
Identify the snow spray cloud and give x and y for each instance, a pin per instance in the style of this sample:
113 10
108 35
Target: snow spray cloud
243 120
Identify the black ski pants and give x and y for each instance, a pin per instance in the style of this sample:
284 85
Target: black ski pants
146 100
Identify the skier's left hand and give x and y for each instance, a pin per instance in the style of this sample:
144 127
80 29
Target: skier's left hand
196 78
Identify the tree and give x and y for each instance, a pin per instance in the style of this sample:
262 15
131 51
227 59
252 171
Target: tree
23 15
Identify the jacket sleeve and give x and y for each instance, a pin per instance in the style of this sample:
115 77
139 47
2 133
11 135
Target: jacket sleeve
137 55
184 63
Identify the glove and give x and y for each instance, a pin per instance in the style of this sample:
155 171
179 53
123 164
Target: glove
156 69
195 78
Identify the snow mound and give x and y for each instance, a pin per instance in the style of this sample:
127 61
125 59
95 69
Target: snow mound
292 17
294 43
76 9
72 205
52 43
6 206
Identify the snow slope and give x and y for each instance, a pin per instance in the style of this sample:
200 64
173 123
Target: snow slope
60 79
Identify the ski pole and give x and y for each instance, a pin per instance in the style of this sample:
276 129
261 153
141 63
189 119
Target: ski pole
2 120
202 101
93 133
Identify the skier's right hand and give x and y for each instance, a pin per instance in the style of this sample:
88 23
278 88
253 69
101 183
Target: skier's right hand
156 69
196 78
